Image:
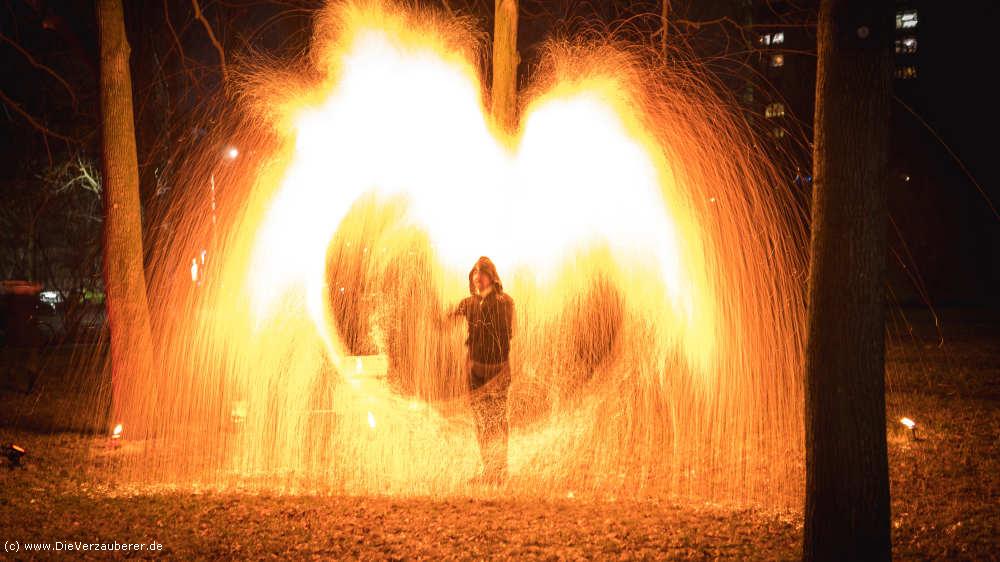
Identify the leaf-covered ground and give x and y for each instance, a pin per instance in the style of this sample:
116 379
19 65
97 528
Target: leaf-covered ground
236 526
945 486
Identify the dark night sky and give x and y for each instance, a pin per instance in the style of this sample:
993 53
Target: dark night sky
954 228
953 92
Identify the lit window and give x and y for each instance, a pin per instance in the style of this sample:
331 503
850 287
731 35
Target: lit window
906 45
906 72
778 133
774 110
777 60
906 19
772 38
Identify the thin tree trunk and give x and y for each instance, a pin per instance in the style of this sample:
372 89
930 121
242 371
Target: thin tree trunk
847 482
124 277
664 20
505 61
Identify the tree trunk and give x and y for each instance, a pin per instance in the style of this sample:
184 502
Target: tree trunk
505 61
847 481
664 20
124 276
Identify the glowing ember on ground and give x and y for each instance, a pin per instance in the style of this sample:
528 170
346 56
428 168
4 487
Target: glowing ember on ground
658 320
116 434
911 425
14 453
238 414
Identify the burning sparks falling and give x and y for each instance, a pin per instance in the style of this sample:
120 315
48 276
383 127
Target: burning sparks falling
658 329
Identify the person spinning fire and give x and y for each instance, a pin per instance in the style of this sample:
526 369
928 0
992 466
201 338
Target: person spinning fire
489 314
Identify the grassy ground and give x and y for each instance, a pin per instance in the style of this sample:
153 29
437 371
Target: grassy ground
945 486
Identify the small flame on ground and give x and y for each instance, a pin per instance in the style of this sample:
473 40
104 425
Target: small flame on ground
116 433
910 424
239 412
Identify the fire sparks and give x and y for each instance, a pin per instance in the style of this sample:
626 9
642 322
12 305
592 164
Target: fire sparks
406 121
658 323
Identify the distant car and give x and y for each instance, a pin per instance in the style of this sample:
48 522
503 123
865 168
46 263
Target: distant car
45 318
18 300
48 323
78 322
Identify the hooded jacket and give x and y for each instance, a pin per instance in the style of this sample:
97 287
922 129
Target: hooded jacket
490 319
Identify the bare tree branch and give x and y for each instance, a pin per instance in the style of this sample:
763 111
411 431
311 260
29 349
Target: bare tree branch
211 35
74 173
177 42
42 67
32 121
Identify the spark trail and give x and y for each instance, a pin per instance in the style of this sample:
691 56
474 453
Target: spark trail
658 335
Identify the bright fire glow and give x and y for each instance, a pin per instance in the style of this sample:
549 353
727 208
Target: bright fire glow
405 122
116 433
658 317
910 424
